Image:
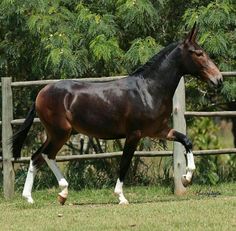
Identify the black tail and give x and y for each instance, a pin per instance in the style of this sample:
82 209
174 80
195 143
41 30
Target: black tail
19 138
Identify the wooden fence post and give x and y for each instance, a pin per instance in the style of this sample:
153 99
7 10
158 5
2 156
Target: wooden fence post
179 124
7 117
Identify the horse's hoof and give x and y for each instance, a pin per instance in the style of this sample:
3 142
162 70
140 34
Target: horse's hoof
124 202
29 199
61 199
185 182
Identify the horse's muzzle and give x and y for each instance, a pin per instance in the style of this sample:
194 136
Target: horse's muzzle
216 81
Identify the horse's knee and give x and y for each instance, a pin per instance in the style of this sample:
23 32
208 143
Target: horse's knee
183 139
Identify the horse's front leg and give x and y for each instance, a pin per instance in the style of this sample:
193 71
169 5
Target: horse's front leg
184 140
63 184
131 143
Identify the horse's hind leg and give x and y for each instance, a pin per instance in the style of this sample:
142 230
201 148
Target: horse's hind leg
63 184
47 152
29 183
49 155
35 162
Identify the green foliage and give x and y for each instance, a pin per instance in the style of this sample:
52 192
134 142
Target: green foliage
107 51
84 38
210 169
205 136
141 50
204 131
66 39
137 15
229 90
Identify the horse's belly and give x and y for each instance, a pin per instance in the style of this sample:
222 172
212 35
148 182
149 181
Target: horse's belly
99 133
99 127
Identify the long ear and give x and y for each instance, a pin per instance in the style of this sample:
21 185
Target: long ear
191 37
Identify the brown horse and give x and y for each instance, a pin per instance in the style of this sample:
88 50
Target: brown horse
137 106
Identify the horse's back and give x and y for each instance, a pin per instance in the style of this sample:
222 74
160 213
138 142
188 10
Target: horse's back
92 108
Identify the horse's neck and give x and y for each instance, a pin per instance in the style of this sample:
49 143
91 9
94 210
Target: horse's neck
164 81
164 78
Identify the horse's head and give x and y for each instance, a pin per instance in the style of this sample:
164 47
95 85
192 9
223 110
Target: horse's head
196 61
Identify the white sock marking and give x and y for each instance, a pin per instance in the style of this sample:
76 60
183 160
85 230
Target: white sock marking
119 191
29 183
190 159
190 166
60 178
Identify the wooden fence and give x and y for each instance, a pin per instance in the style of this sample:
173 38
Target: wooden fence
179 123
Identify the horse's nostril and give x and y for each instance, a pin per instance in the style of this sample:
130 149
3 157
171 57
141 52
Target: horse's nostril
220 81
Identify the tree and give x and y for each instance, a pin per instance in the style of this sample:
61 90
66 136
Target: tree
67 39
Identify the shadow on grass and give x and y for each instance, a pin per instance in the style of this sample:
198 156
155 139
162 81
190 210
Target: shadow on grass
201 195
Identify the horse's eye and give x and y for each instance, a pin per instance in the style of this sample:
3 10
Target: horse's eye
198 52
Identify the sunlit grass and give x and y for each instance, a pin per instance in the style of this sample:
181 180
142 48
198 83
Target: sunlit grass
150 208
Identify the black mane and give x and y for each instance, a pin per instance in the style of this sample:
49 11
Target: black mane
157 59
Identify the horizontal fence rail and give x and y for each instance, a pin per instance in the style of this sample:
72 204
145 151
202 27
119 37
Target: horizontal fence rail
97 79
136 154
228 73
179 115
211 114
49 81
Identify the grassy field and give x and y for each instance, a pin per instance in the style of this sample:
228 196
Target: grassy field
150 208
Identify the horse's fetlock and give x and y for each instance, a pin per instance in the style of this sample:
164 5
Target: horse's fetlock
63 183
188 144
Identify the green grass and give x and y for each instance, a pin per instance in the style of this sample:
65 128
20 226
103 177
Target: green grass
150 208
